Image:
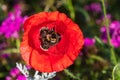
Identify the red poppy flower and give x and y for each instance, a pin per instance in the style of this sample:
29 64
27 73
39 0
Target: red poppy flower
51 41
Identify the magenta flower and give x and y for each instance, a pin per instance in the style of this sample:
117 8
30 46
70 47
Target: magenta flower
5 55
14 72
114 33
21 77
115 40
8 78
94 7
11 25
89 41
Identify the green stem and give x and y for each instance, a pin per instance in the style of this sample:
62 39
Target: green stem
49 5
68 4
97 58
113 72
112 57
11 50
71 74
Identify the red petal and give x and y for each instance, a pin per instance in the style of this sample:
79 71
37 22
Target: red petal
53 16
35 20
76 43
66 61
56 63
25 50
40 62
62 17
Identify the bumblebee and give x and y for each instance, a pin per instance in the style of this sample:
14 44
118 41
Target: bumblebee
49 37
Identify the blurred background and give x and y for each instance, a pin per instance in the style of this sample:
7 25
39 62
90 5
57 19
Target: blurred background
94 61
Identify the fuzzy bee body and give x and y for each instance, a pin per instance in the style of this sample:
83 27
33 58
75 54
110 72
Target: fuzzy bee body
49 37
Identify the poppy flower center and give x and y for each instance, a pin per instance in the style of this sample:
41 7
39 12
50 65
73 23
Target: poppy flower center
48 38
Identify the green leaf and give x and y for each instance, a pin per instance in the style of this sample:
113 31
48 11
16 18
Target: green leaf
98 40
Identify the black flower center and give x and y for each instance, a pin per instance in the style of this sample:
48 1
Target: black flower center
48 38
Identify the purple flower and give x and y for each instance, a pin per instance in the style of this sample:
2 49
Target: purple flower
5 55
21 77
14 72
11 25
89 41
114 29
104 35
94 7
3 46
102 19
115 40
8 78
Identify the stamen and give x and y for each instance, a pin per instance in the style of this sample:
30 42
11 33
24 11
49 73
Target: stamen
48 38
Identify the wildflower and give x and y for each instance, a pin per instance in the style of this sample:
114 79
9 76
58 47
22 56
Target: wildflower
15 74
89 47
11 25
89 41
115 40
51 41
21 77
101 20
8 78
5 55
94 7
114 29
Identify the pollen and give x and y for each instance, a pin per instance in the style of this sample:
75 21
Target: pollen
48 38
